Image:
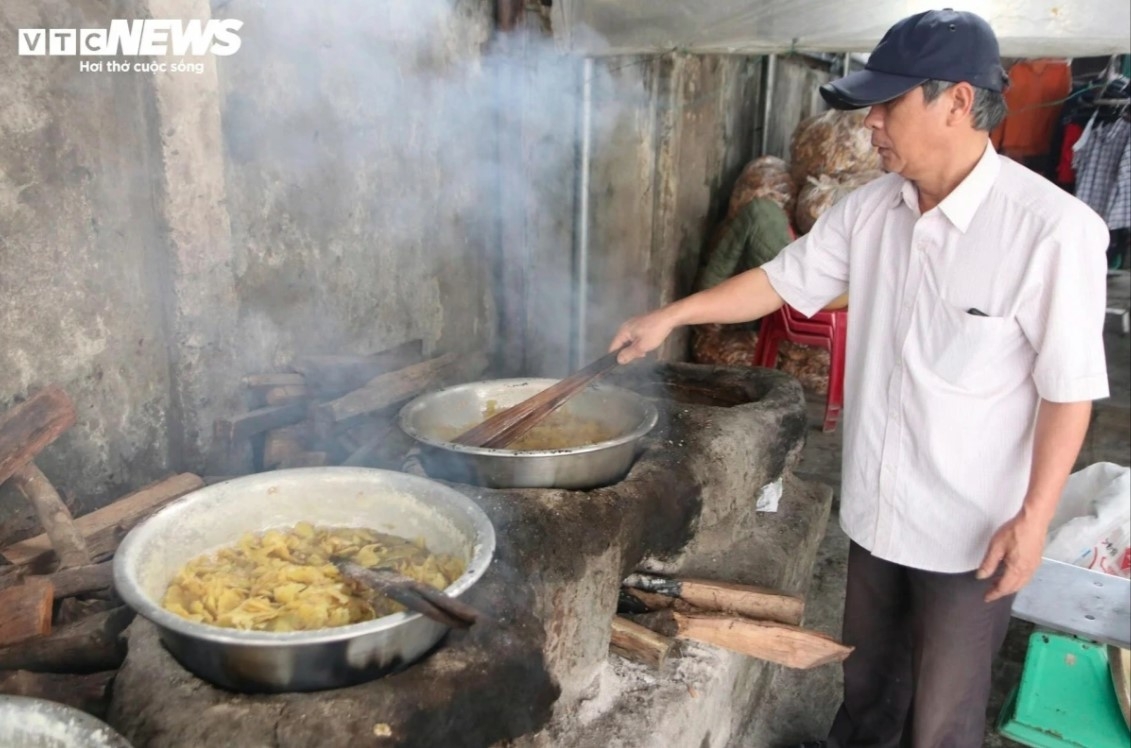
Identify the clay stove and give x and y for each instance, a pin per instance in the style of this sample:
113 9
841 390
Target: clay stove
540 673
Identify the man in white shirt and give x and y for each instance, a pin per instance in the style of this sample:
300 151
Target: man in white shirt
974 352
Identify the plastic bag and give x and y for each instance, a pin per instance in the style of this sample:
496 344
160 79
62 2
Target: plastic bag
822 192
767 177
835 142
1092 525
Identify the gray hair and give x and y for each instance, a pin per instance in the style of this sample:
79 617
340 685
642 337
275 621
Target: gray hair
989 106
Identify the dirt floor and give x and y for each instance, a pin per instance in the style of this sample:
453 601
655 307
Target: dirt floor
804 702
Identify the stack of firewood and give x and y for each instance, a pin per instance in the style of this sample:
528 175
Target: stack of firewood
332 410
654 612
60 621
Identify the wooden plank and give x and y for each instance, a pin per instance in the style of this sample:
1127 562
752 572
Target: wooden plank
287 395
104 528
305 459
91 645
54 516
366 453
282 443
397 386
89 692
781 643
27 428
238 428
742 599
273 380
332 376
25 611
638 643
79 580
74 609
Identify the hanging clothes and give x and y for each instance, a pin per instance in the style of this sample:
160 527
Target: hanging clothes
1102 162
1034 99
1065 174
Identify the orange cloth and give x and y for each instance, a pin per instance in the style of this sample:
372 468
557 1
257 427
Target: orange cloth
1037 89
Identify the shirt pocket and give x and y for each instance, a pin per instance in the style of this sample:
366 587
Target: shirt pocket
972 352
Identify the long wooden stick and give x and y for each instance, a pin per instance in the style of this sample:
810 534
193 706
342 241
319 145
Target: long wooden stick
706 595
511 424
104 528
54 516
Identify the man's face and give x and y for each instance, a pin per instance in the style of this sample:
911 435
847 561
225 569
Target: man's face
909 133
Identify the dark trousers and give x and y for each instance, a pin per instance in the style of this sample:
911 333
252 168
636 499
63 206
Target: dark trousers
925 642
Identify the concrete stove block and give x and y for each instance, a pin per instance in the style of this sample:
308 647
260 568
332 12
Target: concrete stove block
534 672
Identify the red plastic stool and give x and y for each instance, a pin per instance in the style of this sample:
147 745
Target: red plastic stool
826 330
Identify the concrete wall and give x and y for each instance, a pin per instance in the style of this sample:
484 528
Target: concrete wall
358 144
81 254
329 188
358 174
669 134
795 97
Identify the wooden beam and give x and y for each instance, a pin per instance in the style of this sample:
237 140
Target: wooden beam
79 580
89 692
104 528
238 428
638 643
54 516
333 376
273 380
305 459
742 599
287 395
397 386
281 444
25 611
91 645
781 643
30 426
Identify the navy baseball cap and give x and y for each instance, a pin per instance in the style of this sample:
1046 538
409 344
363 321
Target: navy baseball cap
945 45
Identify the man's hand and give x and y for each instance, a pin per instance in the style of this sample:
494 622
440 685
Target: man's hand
1017 546
645 333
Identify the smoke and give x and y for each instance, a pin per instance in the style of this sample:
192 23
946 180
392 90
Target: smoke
380 154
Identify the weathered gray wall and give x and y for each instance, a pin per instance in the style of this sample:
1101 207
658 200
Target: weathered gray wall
795 97
81 251
357 175
358 148
329 188
669 135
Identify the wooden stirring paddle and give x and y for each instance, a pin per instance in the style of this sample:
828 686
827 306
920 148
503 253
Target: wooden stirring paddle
416 596
511 424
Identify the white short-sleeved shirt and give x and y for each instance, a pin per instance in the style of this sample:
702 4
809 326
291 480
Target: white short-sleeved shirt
940 403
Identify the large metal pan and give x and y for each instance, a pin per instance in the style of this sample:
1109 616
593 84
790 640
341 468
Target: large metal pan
218 515
435 418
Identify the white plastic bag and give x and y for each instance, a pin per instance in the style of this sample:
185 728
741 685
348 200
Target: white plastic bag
1092 525
769 496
